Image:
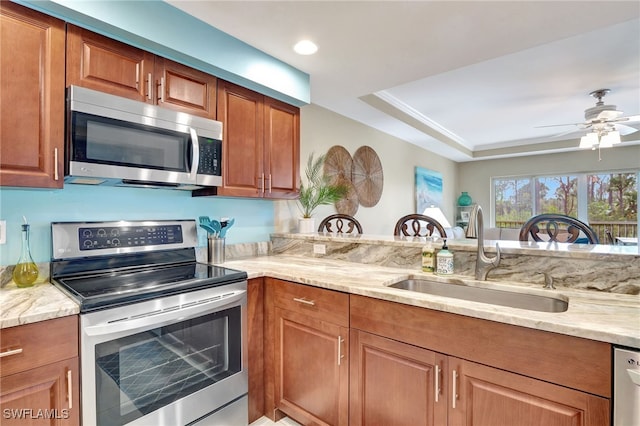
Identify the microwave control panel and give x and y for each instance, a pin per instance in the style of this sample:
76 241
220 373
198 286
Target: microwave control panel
210 156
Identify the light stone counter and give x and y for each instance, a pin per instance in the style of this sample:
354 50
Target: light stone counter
607 317
32 304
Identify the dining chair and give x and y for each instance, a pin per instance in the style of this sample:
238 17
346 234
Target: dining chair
343 223
610 239
414 225
559 228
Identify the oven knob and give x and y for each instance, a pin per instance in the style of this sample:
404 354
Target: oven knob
87 243
102 233
114 232
87 233
115 242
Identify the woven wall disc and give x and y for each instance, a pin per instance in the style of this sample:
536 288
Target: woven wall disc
338 164
367 176
349 204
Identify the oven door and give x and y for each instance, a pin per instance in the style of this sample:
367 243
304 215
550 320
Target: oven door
168 361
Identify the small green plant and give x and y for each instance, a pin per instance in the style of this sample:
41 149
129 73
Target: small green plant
318 190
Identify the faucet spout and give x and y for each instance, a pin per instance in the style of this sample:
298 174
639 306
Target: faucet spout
484 263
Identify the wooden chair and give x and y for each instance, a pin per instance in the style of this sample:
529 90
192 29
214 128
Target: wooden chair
413 225
557 225
343 223
610 239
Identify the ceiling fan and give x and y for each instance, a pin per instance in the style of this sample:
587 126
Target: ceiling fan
604 123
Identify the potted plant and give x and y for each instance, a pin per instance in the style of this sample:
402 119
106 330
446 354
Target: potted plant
316 191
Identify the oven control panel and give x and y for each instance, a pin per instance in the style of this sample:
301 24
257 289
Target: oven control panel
89 239
103 237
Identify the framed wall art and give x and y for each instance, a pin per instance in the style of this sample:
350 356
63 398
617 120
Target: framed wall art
428 188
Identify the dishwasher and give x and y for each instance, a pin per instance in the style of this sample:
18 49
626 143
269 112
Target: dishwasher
626 386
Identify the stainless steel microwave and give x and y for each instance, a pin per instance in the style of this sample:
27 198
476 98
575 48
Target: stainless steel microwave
117 141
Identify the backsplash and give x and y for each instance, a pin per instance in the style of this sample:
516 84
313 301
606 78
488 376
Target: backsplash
607 273
254 219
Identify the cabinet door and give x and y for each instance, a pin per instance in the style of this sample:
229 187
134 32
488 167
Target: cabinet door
395 383
100 63
282 149
241 112
32 111
185 89
482 395
311 369
47 395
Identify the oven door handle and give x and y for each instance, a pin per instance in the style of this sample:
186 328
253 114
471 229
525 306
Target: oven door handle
168 315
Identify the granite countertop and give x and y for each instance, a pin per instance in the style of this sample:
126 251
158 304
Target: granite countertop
607 317
41 302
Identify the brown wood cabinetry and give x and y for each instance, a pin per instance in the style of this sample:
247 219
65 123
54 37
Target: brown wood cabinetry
32 107
261 145
309 369
39 377
255 343
100 63
510 375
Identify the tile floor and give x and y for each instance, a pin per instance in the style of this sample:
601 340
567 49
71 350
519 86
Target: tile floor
263 421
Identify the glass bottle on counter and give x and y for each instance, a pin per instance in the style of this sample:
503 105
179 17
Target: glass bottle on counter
25 272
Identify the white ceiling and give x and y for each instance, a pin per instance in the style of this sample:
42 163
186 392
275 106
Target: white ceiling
465 79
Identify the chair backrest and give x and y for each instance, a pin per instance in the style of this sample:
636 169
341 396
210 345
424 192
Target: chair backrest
340 223
610 239
418 225
558 227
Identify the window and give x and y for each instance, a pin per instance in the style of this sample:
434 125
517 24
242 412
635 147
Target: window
604 200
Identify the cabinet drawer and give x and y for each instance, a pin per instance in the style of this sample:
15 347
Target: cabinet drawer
325 305
33 345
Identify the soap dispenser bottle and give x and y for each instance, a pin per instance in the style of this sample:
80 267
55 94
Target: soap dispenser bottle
428 256
444 261
25 272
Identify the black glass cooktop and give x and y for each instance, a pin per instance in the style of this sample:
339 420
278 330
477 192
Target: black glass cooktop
110 282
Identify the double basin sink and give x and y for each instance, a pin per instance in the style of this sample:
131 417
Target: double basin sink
459 290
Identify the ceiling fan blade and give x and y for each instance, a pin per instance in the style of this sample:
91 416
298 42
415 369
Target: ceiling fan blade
560 125
628 119
569 132
625 130
609 115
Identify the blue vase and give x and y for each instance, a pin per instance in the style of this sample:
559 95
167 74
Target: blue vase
464 199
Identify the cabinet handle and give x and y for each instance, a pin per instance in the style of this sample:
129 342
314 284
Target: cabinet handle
137 76
11 352
262 182
161 94
304 300
340 342
454 387
69 389
55 164
149 87
437 383
269 183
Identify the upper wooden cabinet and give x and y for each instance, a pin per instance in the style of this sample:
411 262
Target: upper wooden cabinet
261 144
32 107
100 63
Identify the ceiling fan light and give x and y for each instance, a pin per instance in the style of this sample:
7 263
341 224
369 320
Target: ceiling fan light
610 139
589 140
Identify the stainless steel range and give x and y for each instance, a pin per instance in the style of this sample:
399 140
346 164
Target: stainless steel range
162 337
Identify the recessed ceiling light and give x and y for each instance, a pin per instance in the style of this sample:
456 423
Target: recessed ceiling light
305 47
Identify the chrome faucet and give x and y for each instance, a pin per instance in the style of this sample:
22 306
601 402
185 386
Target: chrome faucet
484 264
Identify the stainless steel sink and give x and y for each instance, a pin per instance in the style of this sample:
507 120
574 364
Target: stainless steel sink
511 299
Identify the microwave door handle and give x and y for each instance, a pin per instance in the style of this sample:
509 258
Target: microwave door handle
195 149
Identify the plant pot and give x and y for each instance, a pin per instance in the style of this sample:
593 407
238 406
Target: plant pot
306 225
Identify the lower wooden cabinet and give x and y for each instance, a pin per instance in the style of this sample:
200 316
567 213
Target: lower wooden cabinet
394 382
39 373
310 343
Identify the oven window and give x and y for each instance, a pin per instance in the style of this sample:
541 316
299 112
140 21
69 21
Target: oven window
138 374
